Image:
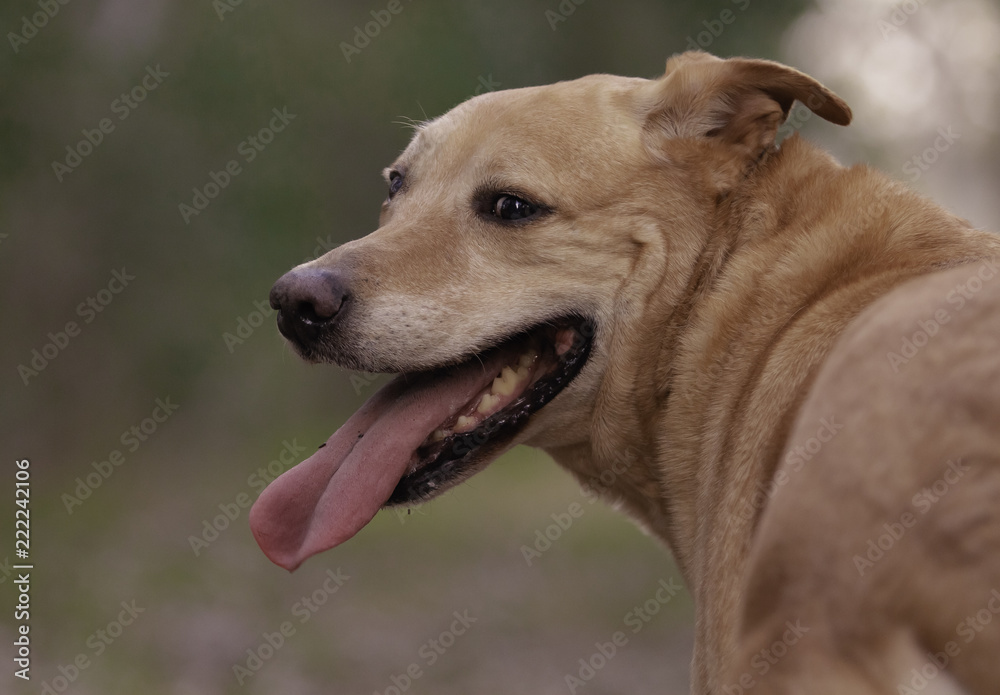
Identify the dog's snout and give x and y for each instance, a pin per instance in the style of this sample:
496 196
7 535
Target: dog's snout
307 301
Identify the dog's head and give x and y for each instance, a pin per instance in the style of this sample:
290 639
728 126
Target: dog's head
527 238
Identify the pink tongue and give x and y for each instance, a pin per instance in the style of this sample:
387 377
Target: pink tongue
331 495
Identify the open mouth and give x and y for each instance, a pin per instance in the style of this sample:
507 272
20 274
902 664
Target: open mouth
538 364
418 436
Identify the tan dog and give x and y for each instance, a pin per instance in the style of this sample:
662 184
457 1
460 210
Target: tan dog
790 369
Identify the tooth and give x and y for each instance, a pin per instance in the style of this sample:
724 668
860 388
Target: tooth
465 423
527 359
488 404
506 382
437 435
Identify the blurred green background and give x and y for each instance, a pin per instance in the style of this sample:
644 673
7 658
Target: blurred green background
178 89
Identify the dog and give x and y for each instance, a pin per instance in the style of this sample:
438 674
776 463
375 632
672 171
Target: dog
789 370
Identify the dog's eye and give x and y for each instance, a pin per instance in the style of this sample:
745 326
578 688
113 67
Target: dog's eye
508 207
395 182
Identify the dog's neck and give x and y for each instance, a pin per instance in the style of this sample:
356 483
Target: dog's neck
698 475
695 374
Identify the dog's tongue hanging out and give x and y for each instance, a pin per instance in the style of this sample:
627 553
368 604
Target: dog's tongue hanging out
330 496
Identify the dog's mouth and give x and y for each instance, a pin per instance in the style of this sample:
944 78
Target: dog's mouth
537 365
421 434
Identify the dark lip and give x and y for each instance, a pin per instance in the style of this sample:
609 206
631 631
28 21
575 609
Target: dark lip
458 455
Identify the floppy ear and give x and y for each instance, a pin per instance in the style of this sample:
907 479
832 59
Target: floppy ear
740 101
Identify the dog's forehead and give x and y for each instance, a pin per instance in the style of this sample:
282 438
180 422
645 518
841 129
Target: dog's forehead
549 113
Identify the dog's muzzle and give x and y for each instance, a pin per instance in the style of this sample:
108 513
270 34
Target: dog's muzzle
308 302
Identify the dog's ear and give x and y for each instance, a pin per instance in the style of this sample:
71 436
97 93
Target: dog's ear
740 102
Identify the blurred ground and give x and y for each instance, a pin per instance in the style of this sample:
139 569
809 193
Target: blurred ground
118 117
406 574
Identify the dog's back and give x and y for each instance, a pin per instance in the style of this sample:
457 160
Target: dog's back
877 562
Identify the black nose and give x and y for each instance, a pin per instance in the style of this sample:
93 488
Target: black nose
308 300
